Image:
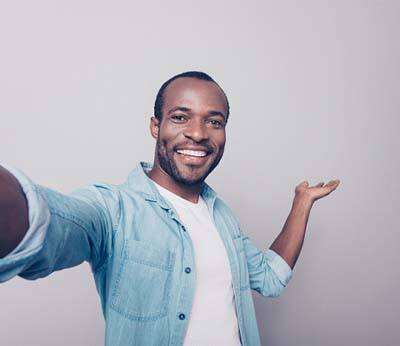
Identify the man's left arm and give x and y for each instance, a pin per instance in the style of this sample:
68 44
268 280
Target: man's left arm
269 272
289 242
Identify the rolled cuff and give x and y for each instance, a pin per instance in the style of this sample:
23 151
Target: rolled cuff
39 218
279 266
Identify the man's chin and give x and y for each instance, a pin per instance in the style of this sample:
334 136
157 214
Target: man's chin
190 180
192 177
194 174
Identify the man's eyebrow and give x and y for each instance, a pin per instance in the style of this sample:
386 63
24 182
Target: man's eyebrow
179 108
217 113
186 109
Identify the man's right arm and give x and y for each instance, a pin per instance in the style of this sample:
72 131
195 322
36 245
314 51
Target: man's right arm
59 230
14 221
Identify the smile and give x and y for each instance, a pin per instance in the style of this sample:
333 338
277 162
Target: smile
196 153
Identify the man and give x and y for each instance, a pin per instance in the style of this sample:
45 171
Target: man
170 261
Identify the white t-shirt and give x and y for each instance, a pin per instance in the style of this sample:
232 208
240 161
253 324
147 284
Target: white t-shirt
213 319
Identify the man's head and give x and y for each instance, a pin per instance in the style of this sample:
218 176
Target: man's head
191 112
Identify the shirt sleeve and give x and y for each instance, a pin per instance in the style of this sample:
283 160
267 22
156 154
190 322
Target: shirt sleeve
64 230
269 273
279 266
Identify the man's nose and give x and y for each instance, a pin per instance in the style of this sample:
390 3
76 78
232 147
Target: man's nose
196 130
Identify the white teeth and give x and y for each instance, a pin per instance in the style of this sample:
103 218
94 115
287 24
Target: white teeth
192 152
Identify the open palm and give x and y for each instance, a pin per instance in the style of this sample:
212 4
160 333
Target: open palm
317 191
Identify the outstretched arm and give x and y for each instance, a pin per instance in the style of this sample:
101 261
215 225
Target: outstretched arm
289 242
61 231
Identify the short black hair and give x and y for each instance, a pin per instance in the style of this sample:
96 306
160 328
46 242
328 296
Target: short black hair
158 105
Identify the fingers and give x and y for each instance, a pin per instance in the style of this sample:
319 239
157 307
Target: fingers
333 184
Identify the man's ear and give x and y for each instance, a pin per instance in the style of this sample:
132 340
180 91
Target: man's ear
154 127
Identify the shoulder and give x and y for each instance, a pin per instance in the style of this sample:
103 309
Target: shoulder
98 191
227 211
104 197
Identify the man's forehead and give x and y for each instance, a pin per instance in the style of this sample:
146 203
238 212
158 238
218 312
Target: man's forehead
195 92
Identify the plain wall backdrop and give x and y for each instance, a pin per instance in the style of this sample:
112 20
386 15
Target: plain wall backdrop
314 88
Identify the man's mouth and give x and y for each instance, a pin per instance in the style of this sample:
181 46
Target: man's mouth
197 153
193 157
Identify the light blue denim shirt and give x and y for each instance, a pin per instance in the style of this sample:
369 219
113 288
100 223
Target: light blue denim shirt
138 250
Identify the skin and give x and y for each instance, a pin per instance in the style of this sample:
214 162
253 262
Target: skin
194 113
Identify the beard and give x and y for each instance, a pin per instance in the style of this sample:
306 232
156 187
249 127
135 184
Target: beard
186 174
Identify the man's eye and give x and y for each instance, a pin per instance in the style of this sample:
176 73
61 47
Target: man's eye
178 117
216 123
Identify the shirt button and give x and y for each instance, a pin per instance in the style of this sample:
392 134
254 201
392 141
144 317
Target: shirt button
188 270
182 316
183 228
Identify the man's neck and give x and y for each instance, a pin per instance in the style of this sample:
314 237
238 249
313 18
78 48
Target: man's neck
190 193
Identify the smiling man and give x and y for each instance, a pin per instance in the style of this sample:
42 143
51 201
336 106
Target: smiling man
191 139
170 261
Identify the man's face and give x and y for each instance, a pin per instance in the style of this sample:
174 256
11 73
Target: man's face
191 136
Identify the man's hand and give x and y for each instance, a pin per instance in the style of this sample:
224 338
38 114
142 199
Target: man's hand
313 193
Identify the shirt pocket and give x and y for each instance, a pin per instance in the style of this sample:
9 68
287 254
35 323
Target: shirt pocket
141 291
242 261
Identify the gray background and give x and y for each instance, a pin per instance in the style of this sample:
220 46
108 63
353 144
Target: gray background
314 90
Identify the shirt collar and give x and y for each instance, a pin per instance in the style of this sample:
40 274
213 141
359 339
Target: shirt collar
141 183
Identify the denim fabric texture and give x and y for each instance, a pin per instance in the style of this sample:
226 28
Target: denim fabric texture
138 250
